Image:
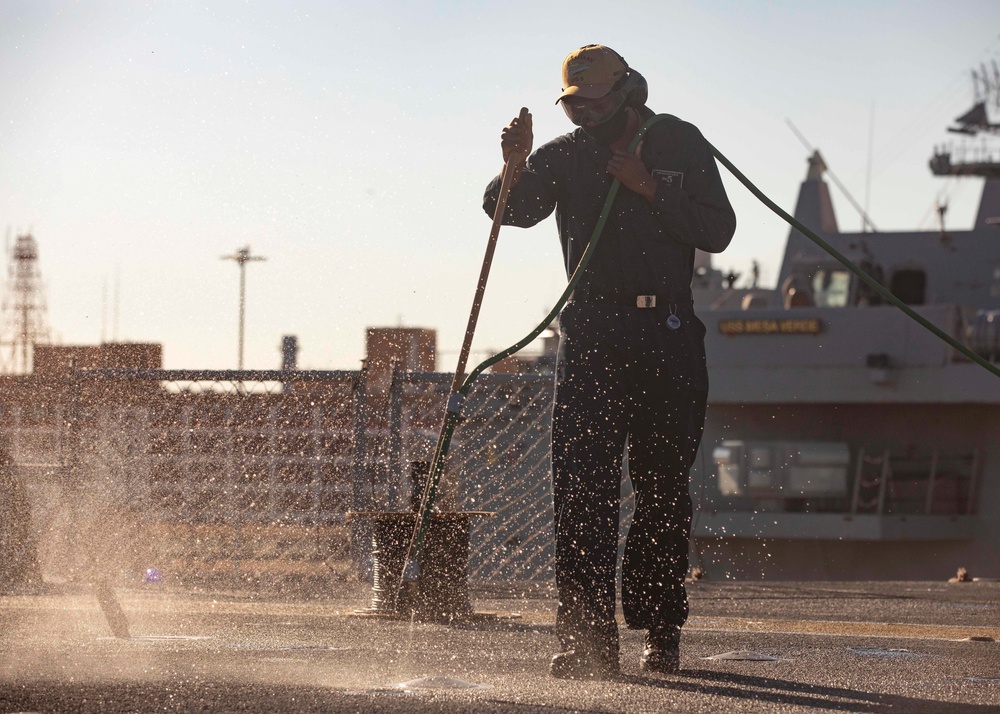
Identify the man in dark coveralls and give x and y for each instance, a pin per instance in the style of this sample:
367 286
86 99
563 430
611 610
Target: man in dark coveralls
631 368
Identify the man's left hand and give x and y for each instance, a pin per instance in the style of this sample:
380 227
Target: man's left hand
629 169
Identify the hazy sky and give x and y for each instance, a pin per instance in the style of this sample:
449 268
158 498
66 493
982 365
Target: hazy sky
349 144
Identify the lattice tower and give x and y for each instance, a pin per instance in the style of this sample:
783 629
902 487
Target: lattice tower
24 310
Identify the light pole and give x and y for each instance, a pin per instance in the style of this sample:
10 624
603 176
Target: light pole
242 257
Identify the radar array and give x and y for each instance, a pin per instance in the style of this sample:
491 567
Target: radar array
986 85
974 158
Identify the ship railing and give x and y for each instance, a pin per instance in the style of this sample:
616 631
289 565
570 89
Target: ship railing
935 485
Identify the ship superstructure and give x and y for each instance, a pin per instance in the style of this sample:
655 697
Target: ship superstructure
844 440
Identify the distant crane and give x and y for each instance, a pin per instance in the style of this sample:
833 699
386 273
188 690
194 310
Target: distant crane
24 309
242 257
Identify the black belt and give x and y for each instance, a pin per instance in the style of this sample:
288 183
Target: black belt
642 301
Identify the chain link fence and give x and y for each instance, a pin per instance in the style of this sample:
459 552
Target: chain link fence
228 478
499 464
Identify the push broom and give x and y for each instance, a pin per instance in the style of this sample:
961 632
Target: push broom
456 395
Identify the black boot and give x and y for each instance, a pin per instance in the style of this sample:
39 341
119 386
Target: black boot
661 650
582 664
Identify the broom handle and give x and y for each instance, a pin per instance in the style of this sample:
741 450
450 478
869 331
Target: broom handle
506 183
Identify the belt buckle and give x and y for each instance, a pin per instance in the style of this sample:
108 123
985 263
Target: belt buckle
645 301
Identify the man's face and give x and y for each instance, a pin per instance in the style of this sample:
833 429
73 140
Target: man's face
591 112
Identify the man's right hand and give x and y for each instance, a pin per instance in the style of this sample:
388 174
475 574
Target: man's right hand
516 139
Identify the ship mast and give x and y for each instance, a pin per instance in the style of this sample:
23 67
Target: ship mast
969 159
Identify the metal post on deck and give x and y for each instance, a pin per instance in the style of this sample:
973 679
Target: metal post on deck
396 471
361 487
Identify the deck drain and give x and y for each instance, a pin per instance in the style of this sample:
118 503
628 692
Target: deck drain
745 656
883 652
439 683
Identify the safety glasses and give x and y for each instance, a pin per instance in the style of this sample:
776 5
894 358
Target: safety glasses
592 111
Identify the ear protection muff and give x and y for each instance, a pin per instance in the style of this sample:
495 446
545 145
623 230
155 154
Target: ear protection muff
633 85
636 89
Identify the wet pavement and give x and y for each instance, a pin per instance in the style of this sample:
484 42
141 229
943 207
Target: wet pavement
761 647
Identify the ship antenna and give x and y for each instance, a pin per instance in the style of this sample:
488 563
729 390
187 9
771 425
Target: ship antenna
833 177
868 177
996 84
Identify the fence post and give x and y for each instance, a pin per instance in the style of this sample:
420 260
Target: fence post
396 472
361 485
72 473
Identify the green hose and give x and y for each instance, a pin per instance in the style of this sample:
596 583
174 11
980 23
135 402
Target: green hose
453 417
791 220
868 280
577 273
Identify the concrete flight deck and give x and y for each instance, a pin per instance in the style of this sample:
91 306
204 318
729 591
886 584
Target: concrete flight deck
749 647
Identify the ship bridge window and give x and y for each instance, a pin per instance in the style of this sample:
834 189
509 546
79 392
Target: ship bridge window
909 285
831 288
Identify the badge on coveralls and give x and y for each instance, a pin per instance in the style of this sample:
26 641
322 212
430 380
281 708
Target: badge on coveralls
673 179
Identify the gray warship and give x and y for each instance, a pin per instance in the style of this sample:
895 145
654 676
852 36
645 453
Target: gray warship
844 440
